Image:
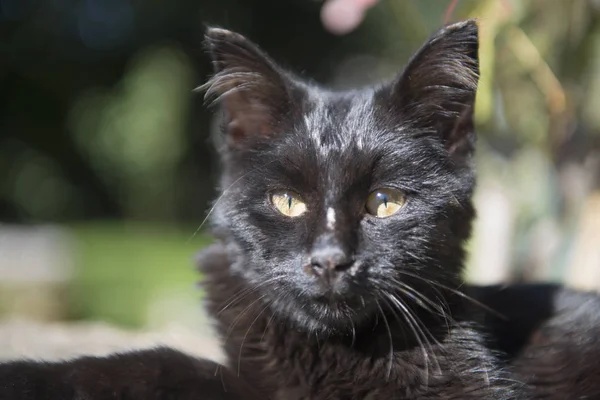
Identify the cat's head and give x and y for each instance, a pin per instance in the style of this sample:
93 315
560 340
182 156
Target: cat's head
337 203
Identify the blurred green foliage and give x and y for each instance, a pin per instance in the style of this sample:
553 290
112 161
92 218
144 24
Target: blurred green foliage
133 134
100 132
121 268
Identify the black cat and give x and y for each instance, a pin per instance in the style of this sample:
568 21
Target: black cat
343 217
336 274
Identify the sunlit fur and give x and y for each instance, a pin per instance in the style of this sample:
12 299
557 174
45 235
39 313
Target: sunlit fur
335 149
391 325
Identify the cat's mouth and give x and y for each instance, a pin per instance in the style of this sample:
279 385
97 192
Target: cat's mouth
336 311
331 298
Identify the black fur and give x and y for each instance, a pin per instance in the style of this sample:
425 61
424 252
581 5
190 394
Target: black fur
158 374
391 325
549 334
334 149
336 303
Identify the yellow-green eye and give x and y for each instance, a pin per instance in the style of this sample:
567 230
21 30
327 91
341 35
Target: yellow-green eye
385 202
288 204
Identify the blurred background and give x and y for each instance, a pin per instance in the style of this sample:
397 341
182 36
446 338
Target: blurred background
106 169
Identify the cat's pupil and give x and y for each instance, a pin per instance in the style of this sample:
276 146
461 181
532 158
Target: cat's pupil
289 199
383 198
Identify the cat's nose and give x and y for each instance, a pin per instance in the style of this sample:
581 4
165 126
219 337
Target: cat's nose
329 263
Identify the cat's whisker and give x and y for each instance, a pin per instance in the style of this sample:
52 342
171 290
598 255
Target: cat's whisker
411 296
391 352
267 326
424 331
443 303
420 335
240 315
414 256
353 331
237 296
420 299
458 202
246 292
220 369
255 288
404 321
457 292
216 203
393 285
445 313
419 321
246 335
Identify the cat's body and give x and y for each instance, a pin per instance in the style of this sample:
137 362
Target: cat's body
351 301
337 268
286 363
550 336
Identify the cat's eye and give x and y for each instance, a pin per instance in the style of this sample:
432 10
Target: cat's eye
385 202
288 203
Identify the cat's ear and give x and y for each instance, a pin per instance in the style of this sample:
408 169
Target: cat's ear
436 91
254 92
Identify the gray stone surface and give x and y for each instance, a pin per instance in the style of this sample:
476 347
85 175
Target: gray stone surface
21 338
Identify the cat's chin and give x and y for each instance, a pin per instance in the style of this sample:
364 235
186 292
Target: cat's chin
327 315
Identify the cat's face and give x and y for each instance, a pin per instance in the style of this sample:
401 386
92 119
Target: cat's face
341 204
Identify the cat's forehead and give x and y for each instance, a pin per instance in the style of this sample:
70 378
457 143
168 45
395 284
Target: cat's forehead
340 121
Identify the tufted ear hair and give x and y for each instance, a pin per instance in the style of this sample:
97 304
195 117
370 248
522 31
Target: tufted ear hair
256 95
436 91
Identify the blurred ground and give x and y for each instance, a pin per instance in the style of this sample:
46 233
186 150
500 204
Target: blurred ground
111 279
107 167
24 338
